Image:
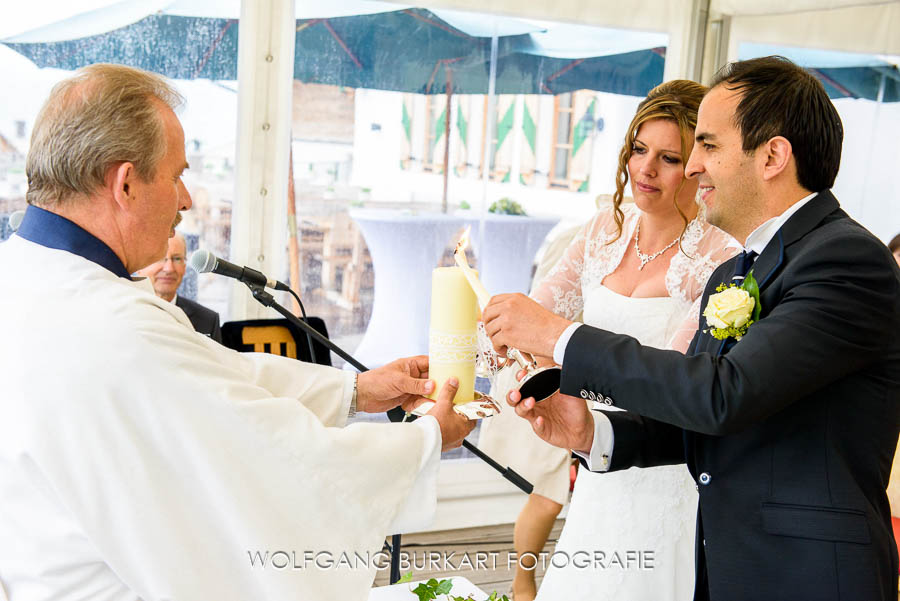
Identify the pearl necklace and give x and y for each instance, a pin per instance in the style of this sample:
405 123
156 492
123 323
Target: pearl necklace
647 258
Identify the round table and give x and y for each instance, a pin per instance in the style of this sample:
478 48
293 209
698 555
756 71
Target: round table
405 248
510 244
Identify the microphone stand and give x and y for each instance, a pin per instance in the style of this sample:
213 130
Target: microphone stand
395 415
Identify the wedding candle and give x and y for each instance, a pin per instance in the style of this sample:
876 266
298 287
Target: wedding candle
452 341
471 275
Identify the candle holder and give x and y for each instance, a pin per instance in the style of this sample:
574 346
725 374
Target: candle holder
481 407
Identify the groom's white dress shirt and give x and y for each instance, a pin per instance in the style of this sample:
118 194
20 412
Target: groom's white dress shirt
604 440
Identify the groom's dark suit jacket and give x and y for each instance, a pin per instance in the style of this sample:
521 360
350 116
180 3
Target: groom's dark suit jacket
789 432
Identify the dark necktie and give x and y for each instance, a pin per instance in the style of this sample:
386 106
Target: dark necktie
743 265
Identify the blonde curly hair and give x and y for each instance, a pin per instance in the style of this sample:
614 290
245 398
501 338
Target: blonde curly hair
676 100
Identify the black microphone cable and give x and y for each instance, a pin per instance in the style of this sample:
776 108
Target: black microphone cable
309 341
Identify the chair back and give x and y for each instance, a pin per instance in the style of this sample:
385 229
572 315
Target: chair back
275 336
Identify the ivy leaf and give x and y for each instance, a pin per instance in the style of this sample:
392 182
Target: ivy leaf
424 592
443 587
752 289
405 578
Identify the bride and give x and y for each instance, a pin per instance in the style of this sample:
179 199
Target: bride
637 269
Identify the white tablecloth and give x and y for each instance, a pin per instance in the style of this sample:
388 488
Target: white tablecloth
510 244
406 247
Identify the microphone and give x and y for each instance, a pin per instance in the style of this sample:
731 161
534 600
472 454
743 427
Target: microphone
204 261
15 220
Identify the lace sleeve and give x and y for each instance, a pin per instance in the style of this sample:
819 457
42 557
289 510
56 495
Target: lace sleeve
560 290
681 338
710 248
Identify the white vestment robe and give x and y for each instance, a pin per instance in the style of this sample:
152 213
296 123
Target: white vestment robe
141 460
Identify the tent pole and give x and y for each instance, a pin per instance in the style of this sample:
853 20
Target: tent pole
687 36
265 69
293 241
447 136
490 118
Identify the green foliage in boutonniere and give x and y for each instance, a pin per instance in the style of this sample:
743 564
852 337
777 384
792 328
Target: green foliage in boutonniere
733 309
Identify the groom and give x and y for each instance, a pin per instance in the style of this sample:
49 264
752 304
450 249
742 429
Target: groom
790 431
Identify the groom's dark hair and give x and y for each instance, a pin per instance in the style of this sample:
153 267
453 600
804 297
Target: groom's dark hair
779 98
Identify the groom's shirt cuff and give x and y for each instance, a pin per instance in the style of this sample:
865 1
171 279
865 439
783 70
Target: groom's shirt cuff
559 351
601 451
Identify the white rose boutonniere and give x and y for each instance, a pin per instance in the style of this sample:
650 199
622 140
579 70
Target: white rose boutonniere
733 309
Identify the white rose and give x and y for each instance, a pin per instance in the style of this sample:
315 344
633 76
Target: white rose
730 308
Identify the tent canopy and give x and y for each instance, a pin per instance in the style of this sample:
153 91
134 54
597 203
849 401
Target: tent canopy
410 49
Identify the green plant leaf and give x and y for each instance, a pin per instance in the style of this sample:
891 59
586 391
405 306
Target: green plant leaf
443 587
506 206
424 592
749 284
405 578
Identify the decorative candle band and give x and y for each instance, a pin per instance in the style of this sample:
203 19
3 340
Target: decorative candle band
445 347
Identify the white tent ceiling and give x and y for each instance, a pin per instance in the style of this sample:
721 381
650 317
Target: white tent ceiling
867 26
869 29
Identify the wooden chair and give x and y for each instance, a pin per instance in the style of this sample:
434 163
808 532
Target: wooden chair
344 251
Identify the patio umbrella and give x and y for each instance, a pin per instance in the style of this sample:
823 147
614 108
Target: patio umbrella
844 74
409 50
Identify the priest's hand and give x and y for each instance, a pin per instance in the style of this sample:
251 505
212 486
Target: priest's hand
401 382
562 420
516 321
454 427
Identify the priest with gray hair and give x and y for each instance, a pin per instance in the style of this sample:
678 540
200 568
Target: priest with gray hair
142 460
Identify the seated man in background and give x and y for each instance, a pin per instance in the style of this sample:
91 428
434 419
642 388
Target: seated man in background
166 276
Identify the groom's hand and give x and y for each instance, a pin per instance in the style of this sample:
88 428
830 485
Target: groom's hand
562 420
516 321
401 382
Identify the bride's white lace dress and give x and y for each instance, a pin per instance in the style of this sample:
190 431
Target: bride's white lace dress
636 513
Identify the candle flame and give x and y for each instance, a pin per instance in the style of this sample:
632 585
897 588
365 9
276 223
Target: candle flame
463 243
